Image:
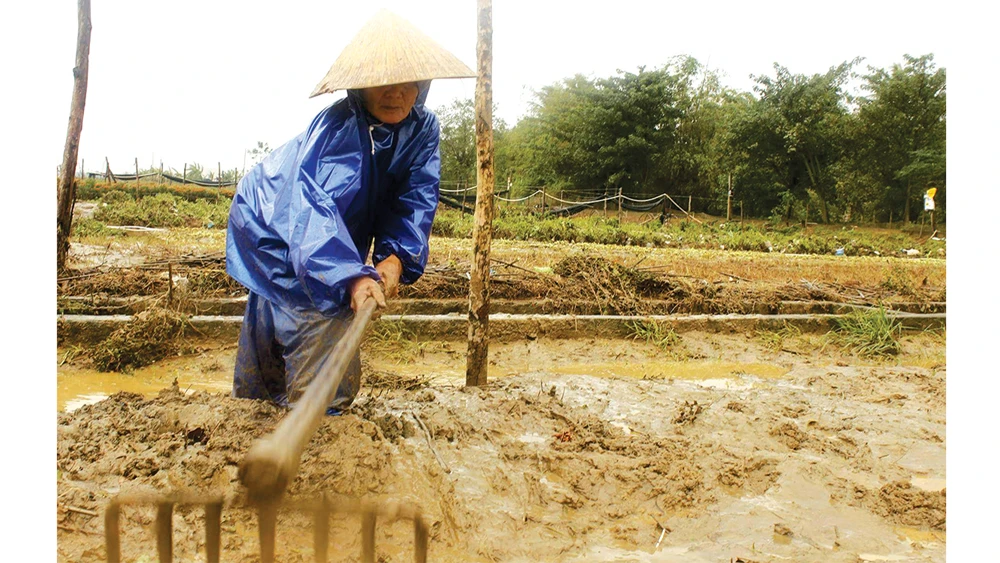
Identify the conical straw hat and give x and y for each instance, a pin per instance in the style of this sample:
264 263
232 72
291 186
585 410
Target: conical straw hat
389 50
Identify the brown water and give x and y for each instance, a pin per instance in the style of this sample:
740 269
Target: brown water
78 386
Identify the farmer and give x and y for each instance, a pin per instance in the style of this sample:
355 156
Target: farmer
303 221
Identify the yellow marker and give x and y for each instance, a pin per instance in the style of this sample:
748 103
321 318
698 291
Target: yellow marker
931 192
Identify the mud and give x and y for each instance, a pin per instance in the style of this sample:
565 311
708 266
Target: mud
802 454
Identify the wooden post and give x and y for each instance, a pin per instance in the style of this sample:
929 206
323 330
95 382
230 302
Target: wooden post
108 174
741 212
689 205
620 201
161 172
220 175
66 197
184 178
463 196
477 358
83 168
933 223
543 201
729 199
137 171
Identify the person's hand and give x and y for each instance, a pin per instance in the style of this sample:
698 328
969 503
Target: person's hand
390 270
365 288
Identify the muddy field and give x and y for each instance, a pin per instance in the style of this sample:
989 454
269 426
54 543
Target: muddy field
723 449
762 446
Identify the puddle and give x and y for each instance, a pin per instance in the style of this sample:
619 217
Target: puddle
76 386
710 373
921 536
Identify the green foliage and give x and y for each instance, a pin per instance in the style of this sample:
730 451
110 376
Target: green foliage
394 341
871 333
775 340
87 227
93 189
161 210
657 333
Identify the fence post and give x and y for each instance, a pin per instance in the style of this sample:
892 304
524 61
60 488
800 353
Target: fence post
161 172
83 168
137 171
184 178
220 176
620 202
689 205
741 212
477 364
460 187
543 201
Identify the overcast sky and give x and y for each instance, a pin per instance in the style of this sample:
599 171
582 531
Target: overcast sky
196 81
187 81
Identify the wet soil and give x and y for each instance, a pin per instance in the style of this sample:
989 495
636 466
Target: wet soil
718 448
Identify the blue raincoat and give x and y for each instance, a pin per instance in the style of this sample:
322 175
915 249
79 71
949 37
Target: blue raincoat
301 227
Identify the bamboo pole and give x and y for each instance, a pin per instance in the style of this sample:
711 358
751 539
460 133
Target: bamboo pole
66 197
477 358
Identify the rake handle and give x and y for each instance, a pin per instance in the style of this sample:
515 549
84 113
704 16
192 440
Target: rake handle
273 461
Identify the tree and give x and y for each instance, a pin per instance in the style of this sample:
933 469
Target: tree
901 131
258 153
793 135
458 142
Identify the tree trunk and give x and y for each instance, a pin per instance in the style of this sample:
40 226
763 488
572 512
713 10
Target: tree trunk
482 230
67 188
906 206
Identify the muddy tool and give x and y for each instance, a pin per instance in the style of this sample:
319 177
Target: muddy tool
270 465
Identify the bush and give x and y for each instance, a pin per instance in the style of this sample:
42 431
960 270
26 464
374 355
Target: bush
161 210
869 333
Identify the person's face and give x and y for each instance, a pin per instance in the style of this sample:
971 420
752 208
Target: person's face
390 104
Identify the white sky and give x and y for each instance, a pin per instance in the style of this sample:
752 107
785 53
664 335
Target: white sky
187 81
194 81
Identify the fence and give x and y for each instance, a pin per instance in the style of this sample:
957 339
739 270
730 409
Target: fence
548 204
161 176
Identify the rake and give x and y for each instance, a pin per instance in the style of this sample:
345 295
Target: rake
270 465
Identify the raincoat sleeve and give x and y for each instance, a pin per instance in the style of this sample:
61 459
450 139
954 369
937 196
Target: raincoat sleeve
287 239
404 227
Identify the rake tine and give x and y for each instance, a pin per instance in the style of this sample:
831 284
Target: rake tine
213 532
164 532
368 537
267 521
112 535
321 530
419 540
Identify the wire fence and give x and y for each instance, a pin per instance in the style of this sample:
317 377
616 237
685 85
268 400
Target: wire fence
544 201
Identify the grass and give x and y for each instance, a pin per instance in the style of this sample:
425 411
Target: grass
393 341
870 333
514 224
161 210
775 340
658 334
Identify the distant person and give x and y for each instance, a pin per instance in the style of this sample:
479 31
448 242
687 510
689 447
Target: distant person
303 221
